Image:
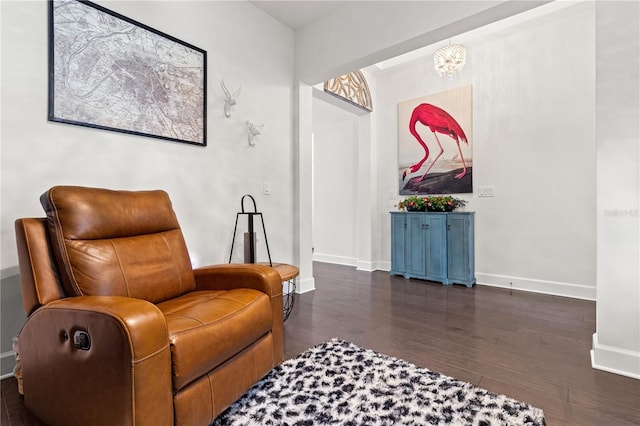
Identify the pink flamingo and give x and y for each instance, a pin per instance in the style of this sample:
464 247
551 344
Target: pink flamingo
438 121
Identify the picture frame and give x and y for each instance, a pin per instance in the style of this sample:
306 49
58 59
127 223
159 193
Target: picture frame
110 72
435 143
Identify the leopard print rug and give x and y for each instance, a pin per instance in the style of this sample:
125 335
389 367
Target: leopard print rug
338 383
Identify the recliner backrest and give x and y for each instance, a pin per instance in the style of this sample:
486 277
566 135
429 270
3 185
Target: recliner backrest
117 243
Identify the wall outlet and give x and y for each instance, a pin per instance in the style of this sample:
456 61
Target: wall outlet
485 191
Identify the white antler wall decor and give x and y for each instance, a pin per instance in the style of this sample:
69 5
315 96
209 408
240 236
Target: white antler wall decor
253 131
229 99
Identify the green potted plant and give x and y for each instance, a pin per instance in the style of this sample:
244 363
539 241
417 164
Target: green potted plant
413 203
456 203
431 203
436 203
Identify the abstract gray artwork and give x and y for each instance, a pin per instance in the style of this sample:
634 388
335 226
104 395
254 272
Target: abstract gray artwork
110 72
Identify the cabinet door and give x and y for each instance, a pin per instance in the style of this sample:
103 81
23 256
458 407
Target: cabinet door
435 244
398 243
416 259
460 249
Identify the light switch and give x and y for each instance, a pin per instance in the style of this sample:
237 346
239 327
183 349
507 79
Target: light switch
266 188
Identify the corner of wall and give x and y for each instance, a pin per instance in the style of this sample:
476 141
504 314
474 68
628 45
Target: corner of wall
615 360
306 285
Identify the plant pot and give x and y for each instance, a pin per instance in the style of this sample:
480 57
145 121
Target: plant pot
415 209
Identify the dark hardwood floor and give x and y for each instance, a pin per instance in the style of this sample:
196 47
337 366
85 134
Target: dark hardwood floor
531 347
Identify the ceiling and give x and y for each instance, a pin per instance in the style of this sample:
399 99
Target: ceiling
295 14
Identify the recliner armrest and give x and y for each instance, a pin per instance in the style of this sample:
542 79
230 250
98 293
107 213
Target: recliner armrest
244 275
122 377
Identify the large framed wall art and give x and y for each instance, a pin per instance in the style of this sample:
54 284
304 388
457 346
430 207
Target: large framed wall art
435 136
110 72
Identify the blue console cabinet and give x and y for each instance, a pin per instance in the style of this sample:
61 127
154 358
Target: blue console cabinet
433 246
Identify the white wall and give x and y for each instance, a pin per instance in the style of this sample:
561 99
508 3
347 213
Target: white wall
245 47
354 36
335 226
616 344
206 184
539 88
345 190
534 142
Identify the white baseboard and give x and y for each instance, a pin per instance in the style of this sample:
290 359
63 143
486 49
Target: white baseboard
339 260
7 361
365 266
555 288
577 291
361 265
306 285
9 272
615 360
383 266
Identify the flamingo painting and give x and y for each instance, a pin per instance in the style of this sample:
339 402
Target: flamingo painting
438 121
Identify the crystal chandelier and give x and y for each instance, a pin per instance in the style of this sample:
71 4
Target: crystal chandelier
450 59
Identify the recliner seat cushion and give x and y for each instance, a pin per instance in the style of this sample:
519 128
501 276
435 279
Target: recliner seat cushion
206 328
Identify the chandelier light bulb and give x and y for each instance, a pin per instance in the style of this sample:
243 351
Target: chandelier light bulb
449 60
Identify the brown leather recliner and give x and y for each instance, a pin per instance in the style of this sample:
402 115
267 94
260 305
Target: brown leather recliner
121 330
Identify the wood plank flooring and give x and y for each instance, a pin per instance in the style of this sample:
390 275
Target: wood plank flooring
528 346
531 347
